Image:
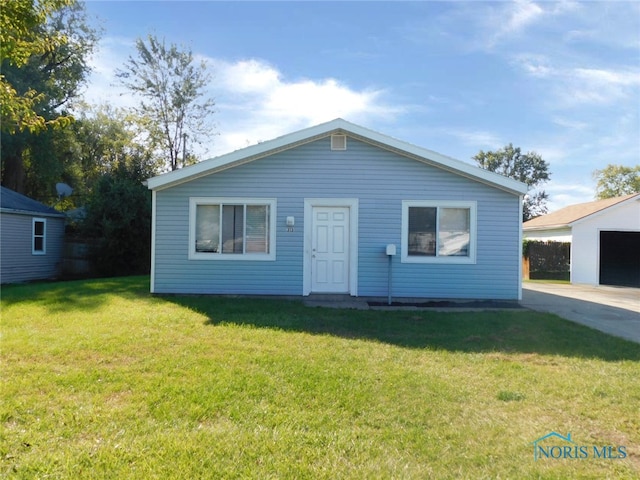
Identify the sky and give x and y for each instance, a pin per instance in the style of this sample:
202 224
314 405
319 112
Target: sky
561 79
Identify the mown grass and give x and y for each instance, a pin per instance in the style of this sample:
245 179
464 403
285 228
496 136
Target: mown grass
544 281
103 380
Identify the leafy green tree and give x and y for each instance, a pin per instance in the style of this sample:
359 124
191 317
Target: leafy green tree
56 74
23 36
616 181
119 219
174 106
49 158
109 139
528 168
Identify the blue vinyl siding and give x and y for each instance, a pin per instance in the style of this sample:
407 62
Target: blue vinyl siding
380 180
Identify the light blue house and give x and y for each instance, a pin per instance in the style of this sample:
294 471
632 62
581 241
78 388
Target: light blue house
31 239
314 212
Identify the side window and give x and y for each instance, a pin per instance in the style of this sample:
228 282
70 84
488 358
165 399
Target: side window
39 240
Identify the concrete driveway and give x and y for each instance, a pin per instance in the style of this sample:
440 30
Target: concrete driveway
613 310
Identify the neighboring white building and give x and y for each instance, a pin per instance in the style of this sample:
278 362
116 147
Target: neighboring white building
604 236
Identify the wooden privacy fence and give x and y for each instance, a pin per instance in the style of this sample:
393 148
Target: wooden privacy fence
76 258
546 260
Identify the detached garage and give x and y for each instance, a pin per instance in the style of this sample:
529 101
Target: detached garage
604 236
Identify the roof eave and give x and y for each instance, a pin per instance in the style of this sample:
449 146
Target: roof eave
450 164
235 158
546 227
311 134
31 213
635 198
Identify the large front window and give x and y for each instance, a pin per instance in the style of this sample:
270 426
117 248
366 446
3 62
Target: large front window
434 232
226 228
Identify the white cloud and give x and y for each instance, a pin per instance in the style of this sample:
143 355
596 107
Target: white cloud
246 76
536 65
502 23
519 15
569 123
612 24
564 194
576 85
601 77
475 138
254 100
103 84
597 86
318 101
257 102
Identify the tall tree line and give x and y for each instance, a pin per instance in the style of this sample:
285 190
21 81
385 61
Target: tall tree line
43 74
49 135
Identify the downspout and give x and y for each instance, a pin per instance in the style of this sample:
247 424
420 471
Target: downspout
389 281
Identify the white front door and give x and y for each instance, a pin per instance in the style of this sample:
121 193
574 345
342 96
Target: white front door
330 250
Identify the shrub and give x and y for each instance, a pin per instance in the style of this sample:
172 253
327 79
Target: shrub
119 218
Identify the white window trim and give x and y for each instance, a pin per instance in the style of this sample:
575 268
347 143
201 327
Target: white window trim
44 236
195 201
470 259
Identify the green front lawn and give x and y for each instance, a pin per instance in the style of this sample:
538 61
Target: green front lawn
103 380
556 282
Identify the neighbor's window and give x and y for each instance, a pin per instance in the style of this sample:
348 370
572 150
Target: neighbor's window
435 232
39 243
226 228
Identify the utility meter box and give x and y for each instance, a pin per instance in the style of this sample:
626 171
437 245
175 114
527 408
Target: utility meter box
391 249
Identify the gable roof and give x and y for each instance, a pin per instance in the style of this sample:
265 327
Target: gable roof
323 130
567 216
14 202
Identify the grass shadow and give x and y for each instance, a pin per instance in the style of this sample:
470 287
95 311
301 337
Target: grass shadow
514 331
67 296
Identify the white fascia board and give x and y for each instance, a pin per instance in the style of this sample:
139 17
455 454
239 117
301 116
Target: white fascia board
310 134
442 161
604 211
558 226
241 156
430 157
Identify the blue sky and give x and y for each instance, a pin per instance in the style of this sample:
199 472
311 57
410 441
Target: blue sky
558 78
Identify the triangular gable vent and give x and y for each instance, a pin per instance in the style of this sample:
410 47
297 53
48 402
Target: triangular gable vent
338 142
